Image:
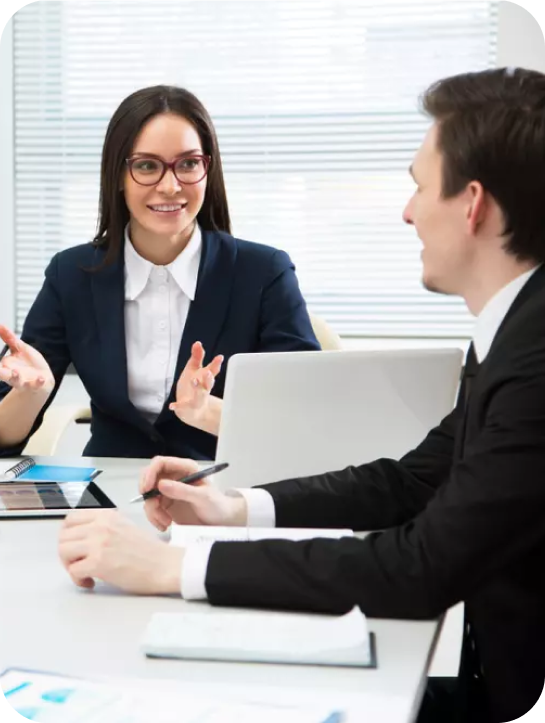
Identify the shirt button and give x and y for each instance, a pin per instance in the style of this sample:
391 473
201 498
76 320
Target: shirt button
162 288
162 325
159 398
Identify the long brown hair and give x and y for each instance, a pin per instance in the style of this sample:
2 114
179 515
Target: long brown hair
126 123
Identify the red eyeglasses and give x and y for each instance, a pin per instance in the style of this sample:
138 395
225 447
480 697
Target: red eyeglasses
149 170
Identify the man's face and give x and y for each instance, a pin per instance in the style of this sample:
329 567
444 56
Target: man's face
441 224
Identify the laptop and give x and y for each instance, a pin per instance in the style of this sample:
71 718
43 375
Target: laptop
289 414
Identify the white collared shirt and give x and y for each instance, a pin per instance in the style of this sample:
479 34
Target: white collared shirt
261 512
157 300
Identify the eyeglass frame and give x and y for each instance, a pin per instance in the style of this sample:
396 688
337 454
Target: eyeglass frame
169 167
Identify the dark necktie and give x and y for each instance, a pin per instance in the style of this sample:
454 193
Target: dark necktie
470 371
471 368
471 664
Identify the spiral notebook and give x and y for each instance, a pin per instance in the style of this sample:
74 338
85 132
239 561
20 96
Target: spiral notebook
27 470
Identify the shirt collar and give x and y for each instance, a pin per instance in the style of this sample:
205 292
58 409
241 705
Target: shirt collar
494 312
184 269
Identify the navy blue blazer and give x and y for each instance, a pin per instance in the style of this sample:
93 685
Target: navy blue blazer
247 300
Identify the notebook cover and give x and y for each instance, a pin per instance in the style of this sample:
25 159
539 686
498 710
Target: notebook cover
58 473
346 658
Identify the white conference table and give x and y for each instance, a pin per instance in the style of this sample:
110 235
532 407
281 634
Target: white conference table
48 624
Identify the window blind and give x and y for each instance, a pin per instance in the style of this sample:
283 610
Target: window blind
315 104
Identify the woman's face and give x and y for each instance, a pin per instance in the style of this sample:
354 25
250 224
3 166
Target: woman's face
167 208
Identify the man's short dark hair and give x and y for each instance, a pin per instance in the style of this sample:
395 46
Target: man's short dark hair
491 129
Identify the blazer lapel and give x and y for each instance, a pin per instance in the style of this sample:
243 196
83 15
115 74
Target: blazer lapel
534 285
207 312
108 289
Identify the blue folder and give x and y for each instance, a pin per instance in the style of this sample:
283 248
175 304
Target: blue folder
58 473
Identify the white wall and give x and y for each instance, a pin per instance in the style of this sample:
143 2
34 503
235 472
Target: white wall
520 40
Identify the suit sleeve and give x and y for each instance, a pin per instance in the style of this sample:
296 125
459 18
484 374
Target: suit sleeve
45 330
488 516
373 496
284 320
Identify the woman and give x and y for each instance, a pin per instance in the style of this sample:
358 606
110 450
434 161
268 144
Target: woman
162 272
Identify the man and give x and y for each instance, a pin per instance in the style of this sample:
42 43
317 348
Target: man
463 514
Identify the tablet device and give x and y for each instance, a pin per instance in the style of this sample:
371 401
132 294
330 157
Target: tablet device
49 499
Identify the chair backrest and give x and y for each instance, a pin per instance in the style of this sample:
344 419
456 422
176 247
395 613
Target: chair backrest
299 413
56 419
328 339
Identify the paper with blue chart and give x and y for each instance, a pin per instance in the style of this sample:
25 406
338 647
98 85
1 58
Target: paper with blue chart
47 698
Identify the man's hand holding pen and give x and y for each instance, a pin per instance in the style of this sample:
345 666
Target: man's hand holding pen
103 545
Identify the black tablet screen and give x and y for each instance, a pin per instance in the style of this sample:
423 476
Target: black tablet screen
52 496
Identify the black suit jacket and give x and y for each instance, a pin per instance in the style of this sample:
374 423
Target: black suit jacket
465 513
247 300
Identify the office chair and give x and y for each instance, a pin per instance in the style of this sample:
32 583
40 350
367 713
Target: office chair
56 420
328 339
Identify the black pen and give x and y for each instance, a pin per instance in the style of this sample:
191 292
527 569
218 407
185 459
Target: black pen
201 474
4 351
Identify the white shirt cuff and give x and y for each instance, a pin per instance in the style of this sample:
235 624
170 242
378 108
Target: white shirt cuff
260 504
261 513
194 566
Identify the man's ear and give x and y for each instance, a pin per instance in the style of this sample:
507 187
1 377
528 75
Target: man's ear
476 206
